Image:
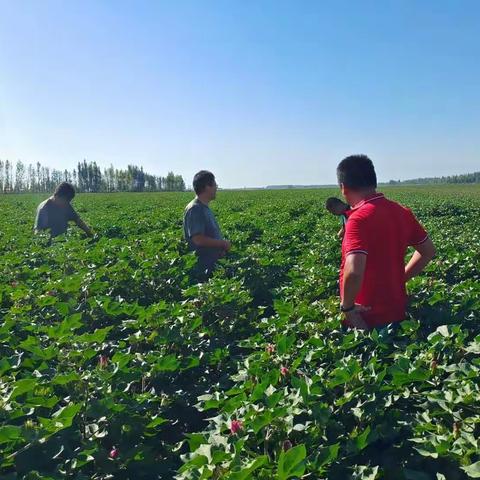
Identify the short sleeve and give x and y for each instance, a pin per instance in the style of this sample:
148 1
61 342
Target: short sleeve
356 236
72 214
417 234
195 223
41 220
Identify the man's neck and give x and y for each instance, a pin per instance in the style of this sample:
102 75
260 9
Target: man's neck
362 195
59 201
203 199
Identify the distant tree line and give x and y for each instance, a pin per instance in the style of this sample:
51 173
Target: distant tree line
465 178
87 177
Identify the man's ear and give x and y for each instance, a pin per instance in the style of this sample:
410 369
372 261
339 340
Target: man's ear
343 188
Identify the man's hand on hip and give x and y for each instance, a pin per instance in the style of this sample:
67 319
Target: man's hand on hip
354 318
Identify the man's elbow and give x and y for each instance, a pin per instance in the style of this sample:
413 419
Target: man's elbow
354 275
197 240
427 250
430 251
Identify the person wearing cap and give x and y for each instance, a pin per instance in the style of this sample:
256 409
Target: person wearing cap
378 234
200 227
54 213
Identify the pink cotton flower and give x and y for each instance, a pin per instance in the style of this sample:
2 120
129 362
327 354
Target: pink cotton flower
102 361
114 453
284 371
287 445
270 348
236 426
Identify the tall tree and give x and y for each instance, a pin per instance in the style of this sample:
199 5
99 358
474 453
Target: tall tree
1 177
31 178
87 177
19 177
7 182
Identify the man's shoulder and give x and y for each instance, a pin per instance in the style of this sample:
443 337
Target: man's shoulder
396 208
195 206
359 213
45 204
374 212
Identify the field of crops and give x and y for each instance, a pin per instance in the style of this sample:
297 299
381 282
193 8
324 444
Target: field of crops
114 364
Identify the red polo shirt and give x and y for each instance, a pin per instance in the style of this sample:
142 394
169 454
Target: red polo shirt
382 230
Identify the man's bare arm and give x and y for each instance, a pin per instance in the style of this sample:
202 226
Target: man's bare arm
81 224
354 272
41 222
420 259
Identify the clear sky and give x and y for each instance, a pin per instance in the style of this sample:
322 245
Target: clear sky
260 92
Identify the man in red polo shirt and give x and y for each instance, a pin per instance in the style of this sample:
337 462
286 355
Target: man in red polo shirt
377 235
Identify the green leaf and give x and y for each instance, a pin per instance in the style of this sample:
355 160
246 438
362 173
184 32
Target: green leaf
9 433
261 421
195 440
63 308
364 472
67 326
292 462
113 308
98 336
340 376
169 363
65 415
473 470
156 422
246 471
362 440
23 386
4 366
122 359
284 343
193 462
327 455
66 378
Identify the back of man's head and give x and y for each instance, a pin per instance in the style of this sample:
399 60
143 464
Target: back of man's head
201 180
65 190
357 173
333 202
335 205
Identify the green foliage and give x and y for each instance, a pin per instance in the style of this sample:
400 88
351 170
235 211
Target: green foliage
108 345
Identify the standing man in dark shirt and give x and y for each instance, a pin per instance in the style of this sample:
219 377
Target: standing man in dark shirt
377 235
200 227
55 212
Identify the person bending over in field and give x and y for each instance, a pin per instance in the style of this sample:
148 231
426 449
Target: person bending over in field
336 207
378 232
54 213
200 227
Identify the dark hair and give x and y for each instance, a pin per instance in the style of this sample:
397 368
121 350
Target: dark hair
357 172
65 190
333 202
201 180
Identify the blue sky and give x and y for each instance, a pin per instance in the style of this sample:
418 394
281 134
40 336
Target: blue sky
260 92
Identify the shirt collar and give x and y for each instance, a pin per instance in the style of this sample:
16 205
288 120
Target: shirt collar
370 198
